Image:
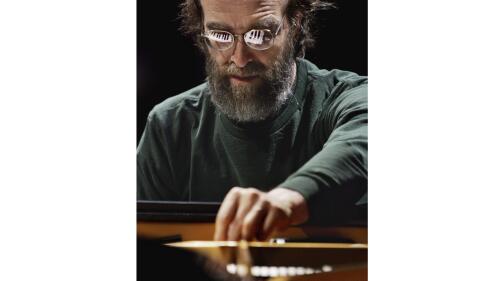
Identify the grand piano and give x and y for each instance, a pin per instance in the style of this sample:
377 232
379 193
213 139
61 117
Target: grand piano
175 240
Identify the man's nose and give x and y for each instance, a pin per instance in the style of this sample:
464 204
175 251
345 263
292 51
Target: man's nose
241 54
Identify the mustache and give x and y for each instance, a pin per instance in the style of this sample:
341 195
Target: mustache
251 69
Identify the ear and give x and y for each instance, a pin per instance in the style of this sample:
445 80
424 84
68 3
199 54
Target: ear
297 22
299 16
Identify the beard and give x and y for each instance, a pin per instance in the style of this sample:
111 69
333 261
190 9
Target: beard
258 100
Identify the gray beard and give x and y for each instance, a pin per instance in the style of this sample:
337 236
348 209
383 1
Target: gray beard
256 101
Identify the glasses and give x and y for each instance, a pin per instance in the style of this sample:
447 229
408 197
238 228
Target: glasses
258 39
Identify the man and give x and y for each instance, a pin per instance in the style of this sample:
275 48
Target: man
277 140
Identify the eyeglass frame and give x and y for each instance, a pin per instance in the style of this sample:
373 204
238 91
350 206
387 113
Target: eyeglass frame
243 35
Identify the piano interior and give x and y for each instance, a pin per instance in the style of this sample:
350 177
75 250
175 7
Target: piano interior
337 252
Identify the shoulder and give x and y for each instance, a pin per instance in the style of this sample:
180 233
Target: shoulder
187 105
323 79
335 93
334 87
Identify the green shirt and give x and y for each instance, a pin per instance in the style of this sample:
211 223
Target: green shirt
317 145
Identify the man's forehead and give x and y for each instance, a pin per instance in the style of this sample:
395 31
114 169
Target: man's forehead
238 9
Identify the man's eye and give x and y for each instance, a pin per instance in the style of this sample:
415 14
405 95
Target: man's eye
219 36
258 36
255 36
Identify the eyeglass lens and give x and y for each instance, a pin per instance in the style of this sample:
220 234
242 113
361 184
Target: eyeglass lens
256 38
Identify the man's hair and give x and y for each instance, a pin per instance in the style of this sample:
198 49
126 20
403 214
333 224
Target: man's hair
302 11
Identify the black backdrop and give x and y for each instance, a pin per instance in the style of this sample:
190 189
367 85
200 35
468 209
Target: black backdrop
168 63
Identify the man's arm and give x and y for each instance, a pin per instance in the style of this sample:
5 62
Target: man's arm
336 177
325 189
154 179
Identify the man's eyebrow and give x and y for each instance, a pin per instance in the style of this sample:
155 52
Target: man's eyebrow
218 25
267 23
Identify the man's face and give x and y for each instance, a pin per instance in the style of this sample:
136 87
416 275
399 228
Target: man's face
249 85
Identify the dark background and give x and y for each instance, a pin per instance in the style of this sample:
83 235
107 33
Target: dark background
168 63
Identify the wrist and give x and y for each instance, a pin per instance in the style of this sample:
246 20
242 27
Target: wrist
294 201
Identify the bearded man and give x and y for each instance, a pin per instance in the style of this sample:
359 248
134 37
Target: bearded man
275 139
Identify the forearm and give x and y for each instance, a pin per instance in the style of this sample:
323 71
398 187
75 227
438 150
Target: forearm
332 182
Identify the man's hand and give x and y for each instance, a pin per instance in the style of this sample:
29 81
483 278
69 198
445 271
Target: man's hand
248 213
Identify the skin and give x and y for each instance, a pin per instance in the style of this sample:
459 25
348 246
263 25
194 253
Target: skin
251 214
238 17
248 213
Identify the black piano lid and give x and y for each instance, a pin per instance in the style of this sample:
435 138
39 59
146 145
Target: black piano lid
177 211
182 211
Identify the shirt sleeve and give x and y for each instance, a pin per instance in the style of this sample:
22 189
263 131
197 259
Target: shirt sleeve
334 181
154 169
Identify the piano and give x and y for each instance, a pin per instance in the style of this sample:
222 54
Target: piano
336 252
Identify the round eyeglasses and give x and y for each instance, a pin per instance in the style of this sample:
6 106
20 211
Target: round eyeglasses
258 39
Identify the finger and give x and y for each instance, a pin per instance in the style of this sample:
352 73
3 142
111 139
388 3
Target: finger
246 201
254 220
233 231
225 214
275 219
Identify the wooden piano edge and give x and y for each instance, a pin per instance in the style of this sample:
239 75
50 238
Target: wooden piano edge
204 231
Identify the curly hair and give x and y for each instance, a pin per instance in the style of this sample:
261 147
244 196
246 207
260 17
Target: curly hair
298 12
